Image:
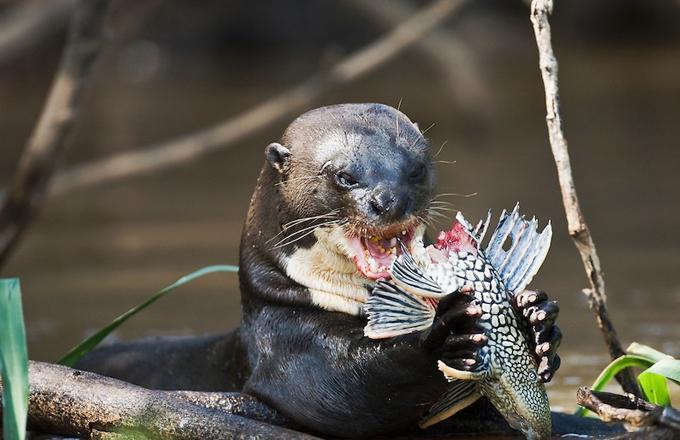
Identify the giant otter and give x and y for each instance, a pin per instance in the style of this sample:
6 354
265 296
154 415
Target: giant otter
344 182
332 197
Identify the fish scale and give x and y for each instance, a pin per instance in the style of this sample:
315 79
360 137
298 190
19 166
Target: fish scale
507 371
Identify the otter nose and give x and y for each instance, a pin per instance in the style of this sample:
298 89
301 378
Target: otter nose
386 203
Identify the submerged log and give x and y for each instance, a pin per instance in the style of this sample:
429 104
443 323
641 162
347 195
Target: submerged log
76 403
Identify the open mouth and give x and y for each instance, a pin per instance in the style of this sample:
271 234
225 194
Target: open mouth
374 254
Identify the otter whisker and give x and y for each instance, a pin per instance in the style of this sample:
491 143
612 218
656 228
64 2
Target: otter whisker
438 196
443 208
286 226
306 231
446 162
441 203
396 117
437 215
314 217
422 135
440 148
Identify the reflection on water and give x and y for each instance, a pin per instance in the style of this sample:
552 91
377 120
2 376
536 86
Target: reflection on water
96 252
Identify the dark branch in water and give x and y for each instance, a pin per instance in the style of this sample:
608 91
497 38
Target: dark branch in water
77 403
50 136
634 412
578 229
193 146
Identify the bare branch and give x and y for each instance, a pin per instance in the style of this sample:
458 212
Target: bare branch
77 403
51 135
459 66
578 229
29 22
647 420
195 145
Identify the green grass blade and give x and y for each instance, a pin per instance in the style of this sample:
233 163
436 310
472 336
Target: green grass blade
13 361
655 388
73 356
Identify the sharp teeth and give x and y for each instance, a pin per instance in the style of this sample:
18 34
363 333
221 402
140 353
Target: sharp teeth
393 242
373 264
403 232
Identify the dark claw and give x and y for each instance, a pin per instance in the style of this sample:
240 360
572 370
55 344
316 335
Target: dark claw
547 368
462 342
540 314
530 297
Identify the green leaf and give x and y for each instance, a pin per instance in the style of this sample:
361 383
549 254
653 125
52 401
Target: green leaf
72 357
616 366
658 367
13 361
655 388
668 368
647 352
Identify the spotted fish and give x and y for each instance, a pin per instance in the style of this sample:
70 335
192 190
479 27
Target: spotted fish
507 371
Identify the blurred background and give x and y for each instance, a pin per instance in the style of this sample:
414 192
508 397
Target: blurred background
173 67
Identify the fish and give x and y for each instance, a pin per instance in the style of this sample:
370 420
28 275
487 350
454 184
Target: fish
406 302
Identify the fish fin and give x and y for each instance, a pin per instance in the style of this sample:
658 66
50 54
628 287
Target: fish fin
452 374
460 395
407 275
518 265
391 312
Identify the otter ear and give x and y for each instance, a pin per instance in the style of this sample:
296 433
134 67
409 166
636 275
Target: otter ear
278 157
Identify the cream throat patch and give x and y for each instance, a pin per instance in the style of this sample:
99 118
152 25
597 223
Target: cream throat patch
333 280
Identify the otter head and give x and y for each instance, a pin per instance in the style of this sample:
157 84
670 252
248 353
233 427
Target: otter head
354 178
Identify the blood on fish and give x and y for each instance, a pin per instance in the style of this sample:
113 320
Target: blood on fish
456 240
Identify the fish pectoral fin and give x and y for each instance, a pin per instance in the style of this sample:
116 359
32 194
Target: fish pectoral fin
407 275
392 311
460 395
451 373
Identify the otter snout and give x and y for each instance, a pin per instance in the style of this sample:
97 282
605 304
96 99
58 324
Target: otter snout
388 204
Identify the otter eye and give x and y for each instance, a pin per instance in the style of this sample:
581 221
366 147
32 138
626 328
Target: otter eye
418 173
345 180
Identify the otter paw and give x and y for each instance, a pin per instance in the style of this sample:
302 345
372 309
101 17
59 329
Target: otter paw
539 315
455 334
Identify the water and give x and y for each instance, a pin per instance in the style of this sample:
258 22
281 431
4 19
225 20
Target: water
95 252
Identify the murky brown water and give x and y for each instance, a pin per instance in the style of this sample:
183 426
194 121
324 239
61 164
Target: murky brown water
96 252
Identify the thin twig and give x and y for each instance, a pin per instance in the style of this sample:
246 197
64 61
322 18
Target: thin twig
578 229
194 145
50 137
